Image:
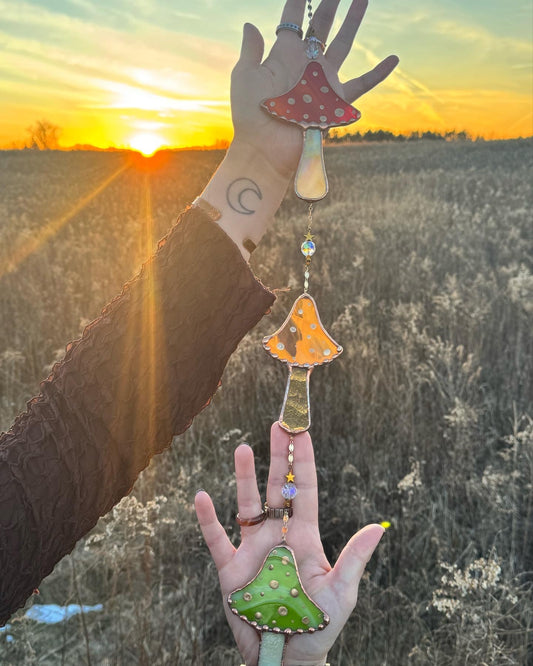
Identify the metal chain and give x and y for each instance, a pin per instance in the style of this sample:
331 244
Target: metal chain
289 491
308 247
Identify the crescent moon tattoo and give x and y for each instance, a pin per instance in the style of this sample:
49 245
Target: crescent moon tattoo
235 192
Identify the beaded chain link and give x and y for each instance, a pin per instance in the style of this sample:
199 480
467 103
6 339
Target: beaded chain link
308 248
289 490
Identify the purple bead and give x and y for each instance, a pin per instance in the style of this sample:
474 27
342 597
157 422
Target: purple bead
289 491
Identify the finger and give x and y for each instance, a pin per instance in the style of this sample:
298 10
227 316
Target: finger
352 561
342 43
215 536
323 18
248 498
305 504
253 46
293 12
362 84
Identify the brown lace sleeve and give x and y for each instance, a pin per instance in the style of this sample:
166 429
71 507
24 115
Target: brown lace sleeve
136 377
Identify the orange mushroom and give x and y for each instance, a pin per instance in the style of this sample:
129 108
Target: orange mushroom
302 343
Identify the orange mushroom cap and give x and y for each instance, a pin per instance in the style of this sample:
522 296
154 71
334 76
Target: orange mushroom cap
302 339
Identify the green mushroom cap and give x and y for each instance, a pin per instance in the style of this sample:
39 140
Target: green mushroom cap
275 599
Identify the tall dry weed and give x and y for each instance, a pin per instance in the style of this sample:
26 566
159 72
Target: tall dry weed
423 273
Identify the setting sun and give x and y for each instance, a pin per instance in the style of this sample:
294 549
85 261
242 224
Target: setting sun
146 143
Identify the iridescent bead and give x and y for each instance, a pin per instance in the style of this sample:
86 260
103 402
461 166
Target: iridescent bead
289 491
308 248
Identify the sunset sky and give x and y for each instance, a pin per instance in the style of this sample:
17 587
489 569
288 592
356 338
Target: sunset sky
107 72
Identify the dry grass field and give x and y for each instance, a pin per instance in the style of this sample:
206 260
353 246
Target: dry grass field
424 273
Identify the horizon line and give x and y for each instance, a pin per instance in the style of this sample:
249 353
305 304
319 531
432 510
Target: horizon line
223 144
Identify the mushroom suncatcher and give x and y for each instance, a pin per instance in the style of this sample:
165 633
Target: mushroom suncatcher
302 343
276 604
314 105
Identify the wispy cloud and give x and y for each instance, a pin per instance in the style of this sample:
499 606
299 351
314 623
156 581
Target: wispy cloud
479 36
87 48
413 91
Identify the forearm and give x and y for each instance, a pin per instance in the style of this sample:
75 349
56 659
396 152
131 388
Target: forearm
137 377
247 191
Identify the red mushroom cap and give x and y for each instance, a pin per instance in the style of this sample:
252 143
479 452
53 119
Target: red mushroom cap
312 102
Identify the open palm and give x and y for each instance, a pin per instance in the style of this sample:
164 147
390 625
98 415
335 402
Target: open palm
333 589
254 80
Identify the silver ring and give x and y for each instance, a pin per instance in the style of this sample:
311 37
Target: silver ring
310 34
290 26
314 47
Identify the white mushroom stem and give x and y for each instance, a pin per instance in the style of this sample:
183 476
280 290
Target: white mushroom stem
271 649
311 182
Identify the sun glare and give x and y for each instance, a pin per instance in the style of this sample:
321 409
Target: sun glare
146 143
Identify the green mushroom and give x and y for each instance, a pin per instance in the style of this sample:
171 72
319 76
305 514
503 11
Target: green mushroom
276 604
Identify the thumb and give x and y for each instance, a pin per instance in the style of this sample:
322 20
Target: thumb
352 561
253 46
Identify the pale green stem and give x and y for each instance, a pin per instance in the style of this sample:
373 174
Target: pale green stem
271 649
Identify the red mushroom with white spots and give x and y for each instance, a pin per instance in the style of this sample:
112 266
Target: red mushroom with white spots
315 106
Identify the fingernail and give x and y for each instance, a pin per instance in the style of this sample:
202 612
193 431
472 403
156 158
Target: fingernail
200 490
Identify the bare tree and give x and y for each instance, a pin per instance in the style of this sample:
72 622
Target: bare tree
43 135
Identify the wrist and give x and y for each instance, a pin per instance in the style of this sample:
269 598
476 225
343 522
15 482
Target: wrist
247 190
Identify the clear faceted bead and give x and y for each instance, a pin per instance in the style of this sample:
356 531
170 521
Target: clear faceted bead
289 491
308 248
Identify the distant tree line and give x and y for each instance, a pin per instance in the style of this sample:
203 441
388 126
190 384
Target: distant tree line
383 135
44 135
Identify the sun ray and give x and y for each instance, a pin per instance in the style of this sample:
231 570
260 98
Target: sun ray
142 333
25 247
150 312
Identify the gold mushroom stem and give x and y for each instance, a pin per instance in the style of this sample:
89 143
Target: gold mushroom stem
311 182
296 412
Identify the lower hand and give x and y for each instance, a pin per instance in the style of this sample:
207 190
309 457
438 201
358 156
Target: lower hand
334 589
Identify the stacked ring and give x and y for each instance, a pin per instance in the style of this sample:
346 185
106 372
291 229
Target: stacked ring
290 26
267 512
249 522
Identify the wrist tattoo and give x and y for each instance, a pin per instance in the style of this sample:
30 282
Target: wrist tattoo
235 192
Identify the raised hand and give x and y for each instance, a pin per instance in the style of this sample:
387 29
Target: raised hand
333 589
251 182
253 79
